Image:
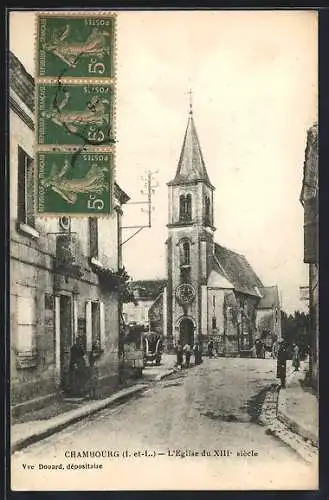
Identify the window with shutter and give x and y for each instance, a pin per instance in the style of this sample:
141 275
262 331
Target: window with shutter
96 327
25 340
93 237
25 195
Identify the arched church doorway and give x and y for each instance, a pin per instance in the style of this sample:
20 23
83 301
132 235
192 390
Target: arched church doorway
186 331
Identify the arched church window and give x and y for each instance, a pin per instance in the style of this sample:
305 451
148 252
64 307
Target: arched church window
181 207
185 254
207 210
188 207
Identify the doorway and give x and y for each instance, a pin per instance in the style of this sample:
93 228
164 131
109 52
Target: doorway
66 338
186 331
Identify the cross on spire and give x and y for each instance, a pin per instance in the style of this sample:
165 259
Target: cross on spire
191 103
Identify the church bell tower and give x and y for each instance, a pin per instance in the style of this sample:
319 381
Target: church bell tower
190 241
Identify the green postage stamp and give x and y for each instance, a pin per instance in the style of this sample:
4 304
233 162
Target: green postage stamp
72 45
75 103
74 183
74 114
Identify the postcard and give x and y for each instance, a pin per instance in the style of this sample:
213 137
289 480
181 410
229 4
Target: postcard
163 250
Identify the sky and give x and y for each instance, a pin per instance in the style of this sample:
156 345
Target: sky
253 76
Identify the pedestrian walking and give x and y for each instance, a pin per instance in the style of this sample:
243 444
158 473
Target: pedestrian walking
281 370
179 354
295 357
210 349
187 352
197 353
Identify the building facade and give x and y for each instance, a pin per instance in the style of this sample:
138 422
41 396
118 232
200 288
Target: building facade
65 274
309 199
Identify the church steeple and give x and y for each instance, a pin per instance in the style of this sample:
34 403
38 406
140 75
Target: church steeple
191 166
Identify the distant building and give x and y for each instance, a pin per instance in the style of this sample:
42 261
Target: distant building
268 315
309 199
211 292
145 293
65 274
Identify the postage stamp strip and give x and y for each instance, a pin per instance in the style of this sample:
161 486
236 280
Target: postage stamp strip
79 183
77 45
77 114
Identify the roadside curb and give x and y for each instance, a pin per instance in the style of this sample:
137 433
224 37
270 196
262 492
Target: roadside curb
64 420
269 417
161 376
292 424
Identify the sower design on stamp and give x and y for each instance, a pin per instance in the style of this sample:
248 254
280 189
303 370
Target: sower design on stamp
75 46
74 114
74 183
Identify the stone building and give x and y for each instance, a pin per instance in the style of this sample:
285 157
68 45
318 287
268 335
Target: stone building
211 291
145 310
309 199
65 274
268 316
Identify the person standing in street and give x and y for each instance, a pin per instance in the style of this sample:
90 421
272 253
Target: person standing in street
179 354
187 352
282 363
210 349
197 353
295 357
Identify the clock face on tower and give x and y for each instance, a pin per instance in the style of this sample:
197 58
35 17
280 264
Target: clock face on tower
185 293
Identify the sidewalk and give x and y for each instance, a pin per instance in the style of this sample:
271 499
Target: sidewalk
298 406
37 425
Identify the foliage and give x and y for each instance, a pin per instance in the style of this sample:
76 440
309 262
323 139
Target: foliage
295 329
126 293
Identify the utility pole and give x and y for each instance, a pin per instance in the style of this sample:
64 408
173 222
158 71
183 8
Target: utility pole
149 189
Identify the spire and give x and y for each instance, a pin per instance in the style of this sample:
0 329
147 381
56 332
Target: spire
191 103
191 166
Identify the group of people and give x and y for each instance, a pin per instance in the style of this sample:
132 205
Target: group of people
83 373
186 351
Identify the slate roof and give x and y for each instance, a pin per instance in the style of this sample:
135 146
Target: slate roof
310 172
21 81
270 297
149 289
191 166
237 270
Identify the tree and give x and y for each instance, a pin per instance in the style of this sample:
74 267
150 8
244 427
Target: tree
295 329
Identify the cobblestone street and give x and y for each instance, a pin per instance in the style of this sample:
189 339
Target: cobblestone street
197 429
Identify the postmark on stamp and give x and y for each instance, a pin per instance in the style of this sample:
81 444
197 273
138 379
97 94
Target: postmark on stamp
75 45
77 183
74 114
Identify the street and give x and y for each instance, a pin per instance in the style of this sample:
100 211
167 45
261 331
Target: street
197 429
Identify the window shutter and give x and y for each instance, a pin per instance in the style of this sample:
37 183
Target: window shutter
75 318
102 324
88 325
30 187
93 237
21 180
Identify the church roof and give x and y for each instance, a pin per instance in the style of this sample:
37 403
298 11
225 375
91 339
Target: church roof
191 166
235 267
270 297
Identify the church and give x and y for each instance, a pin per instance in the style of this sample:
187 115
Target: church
211 292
